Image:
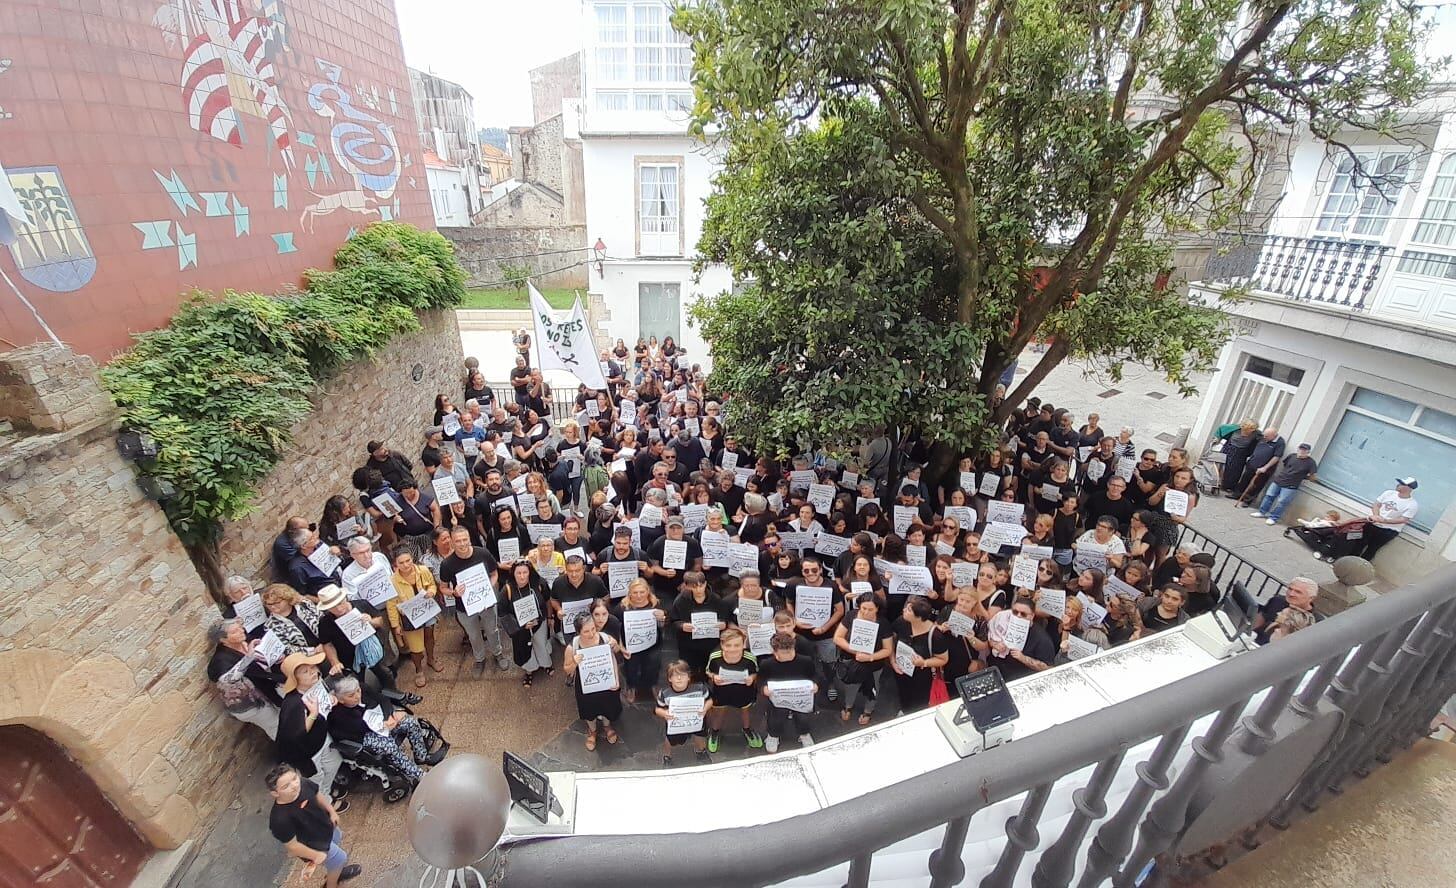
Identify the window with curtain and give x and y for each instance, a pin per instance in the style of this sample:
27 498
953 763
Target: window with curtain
611 100
1437 226
612 44
657 213
1380 438
1358 203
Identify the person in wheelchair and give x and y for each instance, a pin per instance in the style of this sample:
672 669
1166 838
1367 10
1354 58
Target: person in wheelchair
373 722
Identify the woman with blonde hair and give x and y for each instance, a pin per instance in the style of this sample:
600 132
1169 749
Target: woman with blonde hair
291 617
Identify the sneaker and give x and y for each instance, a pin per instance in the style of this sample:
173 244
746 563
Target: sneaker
1270 521
667 761
751 736
833 693
1317 556
1257 514
714 738
771 743
351 871
702 757
806 739
413 699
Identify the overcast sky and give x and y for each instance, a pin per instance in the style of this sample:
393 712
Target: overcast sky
487 46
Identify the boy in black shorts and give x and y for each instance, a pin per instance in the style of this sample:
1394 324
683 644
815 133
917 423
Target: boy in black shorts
786 665
732 672
680 685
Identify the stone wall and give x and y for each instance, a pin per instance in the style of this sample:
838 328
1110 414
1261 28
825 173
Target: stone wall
552 83
38 391
563 247
101 613
536 154
374 400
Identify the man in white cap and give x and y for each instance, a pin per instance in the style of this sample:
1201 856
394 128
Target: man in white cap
1389 514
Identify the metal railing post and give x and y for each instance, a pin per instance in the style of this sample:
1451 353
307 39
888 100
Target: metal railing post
1021 837
946 867
1112 842
1089 804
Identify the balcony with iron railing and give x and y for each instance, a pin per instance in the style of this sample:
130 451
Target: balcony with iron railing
1306 269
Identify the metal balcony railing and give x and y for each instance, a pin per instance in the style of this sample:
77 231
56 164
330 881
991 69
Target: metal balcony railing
1333 272
1354 689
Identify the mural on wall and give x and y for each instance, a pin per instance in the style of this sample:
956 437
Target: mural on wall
50 248
231 144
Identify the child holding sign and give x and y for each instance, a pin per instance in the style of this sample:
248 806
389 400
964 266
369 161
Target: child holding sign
682 705
731 673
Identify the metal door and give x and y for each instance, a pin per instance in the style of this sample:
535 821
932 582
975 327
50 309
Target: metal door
659 311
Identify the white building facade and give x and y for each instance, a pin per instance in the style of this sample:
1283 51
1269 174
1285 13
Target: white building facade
1347 329
646 178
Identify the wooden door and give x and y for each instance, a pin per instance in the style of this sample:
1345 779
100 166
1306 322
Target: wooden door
56 828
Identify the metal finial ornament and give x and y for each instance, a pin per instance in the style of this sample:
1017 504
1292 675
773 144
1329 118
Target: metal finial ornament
456 816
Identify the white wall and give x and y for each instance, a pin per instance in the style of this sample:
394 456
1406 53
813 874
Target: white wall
619 288
447 197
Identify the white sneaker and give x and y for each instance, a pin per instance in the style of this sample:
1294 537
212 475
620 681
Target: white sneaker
806 739
1271 521
771 743
1317 556
1257 514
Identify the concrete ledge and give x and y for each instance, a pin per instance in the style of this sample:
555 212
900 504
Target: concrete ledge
474 319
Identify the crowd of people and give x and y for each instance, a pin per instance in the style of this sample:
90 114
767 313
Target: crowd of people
639 552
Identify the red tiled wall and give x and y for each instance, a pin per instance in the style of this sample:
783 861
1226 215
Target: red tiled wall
93 101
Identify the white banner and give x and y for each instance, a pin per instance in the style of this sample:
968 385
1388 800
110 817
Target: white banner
565 344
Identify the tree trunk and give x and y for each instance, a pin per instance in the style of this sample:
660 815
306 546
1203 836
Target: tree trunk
207 561
944 459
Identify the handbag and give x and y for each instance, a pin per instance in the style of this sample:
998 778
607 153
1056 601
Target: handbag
939 692
852 672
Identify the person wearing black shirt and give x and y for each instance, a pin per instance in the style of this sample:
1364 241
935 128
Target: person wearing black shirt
1035 459
395 467
857 670
822 635
334 606
574 587
785 665
303 735
1064 439
284 548
482 627
521 381
1112 502
696 598
347 723
1035 655
665 580
728 495
1147 476
1293 470
307 823
916 628
1057 481
1165 611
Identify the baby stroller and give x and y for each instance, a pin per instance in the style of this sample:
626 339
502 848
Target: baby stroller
1332 541
365 771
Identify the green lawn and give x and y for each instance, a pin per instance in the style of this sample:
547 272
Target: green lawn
512 299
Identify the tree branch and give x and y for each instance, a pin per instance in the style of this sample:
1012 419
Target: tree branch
1056 352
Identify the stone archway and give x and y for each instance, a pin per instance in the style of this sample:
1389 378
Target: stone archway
94 710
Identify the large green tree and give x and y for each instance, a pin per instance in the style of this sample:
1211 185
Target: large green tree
914 189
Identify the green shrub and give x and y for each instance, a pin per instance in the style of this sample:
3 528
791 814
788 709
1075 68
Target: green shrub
219 388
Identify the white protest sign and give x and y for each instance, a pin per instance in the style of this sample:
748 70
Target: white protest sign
1077 649
563 342
1095 470
813 605
994 536
375 585
518 484
1017 630
1090 556
1176 502
944 548
730 460
1117 586
1037 552
675 554
1083 453
319 693
911 580
849 480
450 424
733 676
640 627
863 634
990 484
968 482
509 548
1124 469
831 545
801 479
743 556
597 670
539 532
685 714
349 527
627 410
355 626
470 445
526 608
796 540
695 517
270 648
650 516
857 589
573 464
419 610
741 476
960 625
570 610
705 625
374 718
548 571
964 515
1052 602
963 573
758 639
1023 572
1051 491
1092 613
250 611
387 505
473 586
904 517
821 496
715 545
861 501
593 409
905 658
796 695
915 556
752 611
998 512
529 509
324 559
620 575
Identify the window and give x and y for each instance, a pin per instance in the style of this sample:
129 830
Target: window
1359 202
611 63
659 208
1428 264
648 67
609 100
659 310
1382 437
611 23
611 51
1438 220
649 21
679 64
680 102
647 101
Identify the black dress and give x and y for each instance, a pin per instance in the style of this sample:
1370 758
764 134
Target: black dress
598 704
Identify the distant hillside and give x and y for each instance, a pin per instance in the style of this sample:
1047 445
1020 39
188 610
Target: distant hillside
495 135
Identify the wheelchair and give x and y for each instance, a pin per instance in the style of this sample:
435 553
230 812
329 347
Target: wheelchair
363 771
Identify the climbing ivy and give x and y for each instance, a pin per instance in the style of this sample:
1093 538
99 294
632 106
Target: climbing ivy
219 388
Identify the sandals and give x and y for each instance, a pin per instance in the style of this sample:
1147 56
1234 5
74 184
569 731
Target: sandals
612 735
591 741
844 715
420 680
864 719
526 680
436 666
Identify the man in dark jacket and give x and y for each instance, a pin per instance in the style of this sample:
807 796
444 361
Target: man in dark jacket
395 467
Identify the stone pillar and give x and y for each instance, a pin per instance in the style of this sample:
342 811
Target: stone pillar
49 388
